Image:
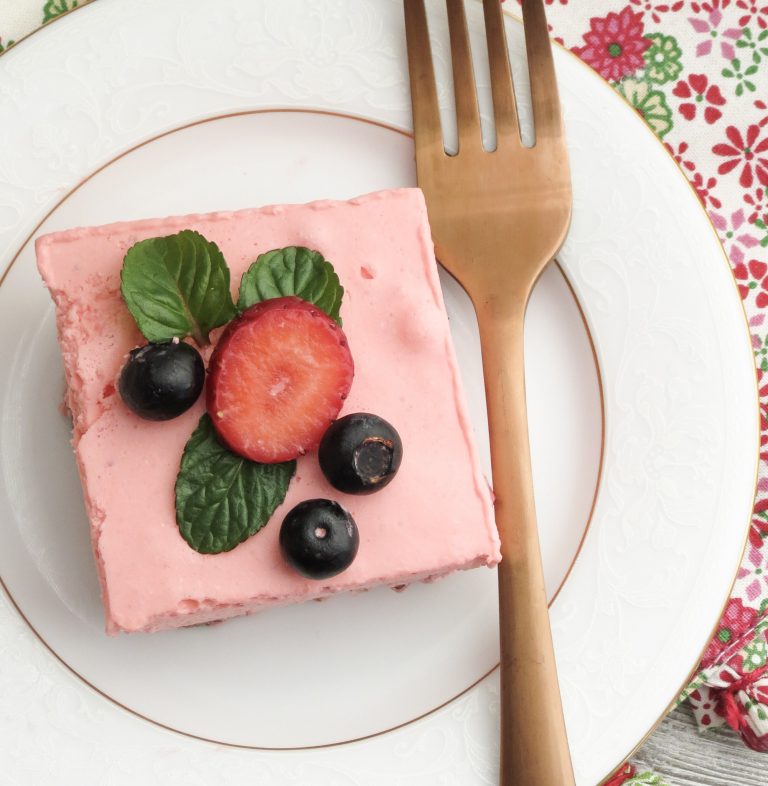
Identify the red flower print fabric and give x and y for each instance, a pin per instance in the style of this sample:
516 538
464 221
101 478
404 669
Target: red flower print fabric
615 44
698 94
747 152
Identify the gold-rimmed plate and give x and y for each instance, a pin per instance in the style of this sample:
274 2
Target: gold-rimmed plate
669 336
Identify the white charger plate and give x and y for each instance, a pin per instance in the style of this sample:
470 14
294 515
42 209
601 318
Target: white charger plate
678 389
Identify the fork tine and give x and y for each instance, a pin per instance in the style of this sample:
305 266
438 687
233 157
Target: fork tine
503 89
467 115
546 104
427 131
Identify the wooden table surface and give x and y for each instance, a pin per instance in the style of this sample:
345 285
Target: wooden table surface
684 757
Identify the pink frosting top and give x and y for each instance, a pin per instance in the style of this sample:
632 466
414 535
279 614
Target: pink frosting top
435 517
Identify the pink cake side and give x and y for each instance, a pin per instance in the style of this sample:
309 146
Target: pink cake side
434 518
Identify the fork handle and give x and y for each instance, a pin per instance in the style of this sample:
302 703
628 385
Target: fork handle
534 745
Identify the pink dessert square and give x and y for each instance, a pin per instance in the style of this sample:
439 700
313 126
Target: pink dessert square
434 518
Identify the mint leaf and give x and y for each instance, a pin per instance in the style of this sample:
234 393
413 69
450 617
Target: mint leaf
222 498
294 270
177 286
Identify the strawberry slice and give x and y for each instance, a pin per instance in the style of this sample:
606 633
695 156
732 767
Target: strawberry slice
277 379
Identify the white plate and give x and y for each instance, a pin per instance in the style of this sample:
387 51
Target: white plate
678 386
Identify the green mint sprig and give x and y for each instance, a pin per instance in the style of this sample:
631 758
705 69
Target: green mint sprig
293 270
221 498
177 286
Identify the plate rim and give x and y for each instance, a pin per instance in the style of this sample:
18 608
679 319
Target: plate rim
726 261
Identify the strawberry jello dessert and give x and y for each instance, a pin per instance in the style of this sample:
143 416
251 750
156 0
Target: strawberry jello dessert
266 408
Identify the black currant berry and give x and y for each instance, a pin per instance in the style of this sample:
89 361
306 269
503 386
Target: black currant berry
161 381
319 539
360 453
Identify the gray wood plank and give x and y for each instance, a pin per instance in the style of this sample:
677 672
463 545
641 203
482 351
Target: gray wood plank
685 757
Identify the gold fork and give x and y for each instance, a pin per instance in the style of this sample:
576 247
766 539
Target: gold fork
498 218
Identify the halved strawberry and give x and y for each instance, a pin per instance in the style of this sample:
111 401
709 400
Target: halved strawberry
277 379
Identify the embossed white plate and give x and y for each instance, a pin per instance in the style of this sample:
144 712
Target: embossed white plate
678 388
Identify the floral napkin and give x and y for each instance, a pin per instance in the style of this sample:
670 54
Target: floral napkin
697 71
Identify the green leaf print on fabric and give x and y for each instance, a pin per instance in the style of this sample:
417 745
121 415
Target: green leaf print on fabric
741 73
755 45
755 655
760 224
650 103
662 59
761 359
646 779
54 8
6 45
